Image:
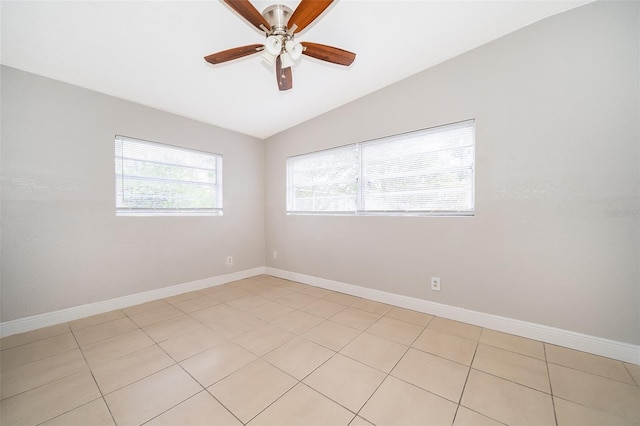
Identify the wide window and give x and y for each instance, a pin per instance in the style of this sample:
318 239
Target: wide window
154 179
427 172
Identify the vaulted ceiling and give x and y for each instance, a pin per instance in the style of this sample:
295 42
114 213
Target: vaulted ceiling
151 52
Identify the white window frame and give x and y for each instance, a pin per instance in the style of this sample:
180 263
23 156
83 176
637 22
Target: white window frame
213 180
292 203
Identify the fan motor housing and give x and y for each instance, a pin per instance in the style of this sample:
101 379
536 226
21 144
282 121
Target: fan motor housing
277 16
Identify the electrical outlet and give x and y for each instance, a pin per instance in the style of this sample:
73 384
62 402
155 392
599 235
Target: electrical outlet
435 283
275 254
229 261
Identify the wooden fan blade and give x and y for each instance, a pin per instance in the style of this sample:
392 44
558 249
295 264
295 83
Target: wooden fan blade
306 12
328 53
283 76
235 53
248 12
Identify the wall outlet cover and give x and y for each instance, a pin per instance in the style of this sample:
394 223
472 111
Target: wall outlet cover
435 283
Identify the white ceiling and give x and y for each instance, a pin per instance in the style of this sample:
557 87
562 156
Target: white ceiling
151 52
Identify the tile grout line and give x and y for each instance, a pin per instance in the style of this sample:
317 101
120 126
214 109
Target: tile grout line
2 349
80 349
624 364
141 378
175 363
268 405
553 396
511 381
464 386
336 352
388 374
44 357
594 374
301 381
206 389
553 402
93 377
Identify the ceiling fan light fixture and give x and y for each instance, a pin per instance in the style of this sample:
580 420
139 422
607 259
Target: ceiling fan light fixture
286 60
273 45
268 57
294 49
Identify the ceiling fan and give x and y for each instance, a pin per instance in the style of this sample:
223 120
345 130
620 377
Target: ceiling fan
280 25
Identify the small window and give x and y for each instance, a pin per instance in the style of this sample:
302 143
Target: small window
427 172
154 179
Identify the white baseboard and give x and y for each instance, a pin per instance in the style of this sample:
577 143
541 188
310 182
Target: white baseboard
596 345
21 325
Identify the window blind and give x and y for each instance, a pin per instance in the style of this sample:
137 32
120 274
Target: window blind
325 181
427 172
158 179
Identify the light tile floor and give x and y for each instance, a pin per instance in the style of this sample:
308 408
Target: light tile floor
267 351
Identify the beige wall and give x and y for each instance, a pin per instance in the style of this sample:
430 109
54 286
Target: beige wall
63 246
556 235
